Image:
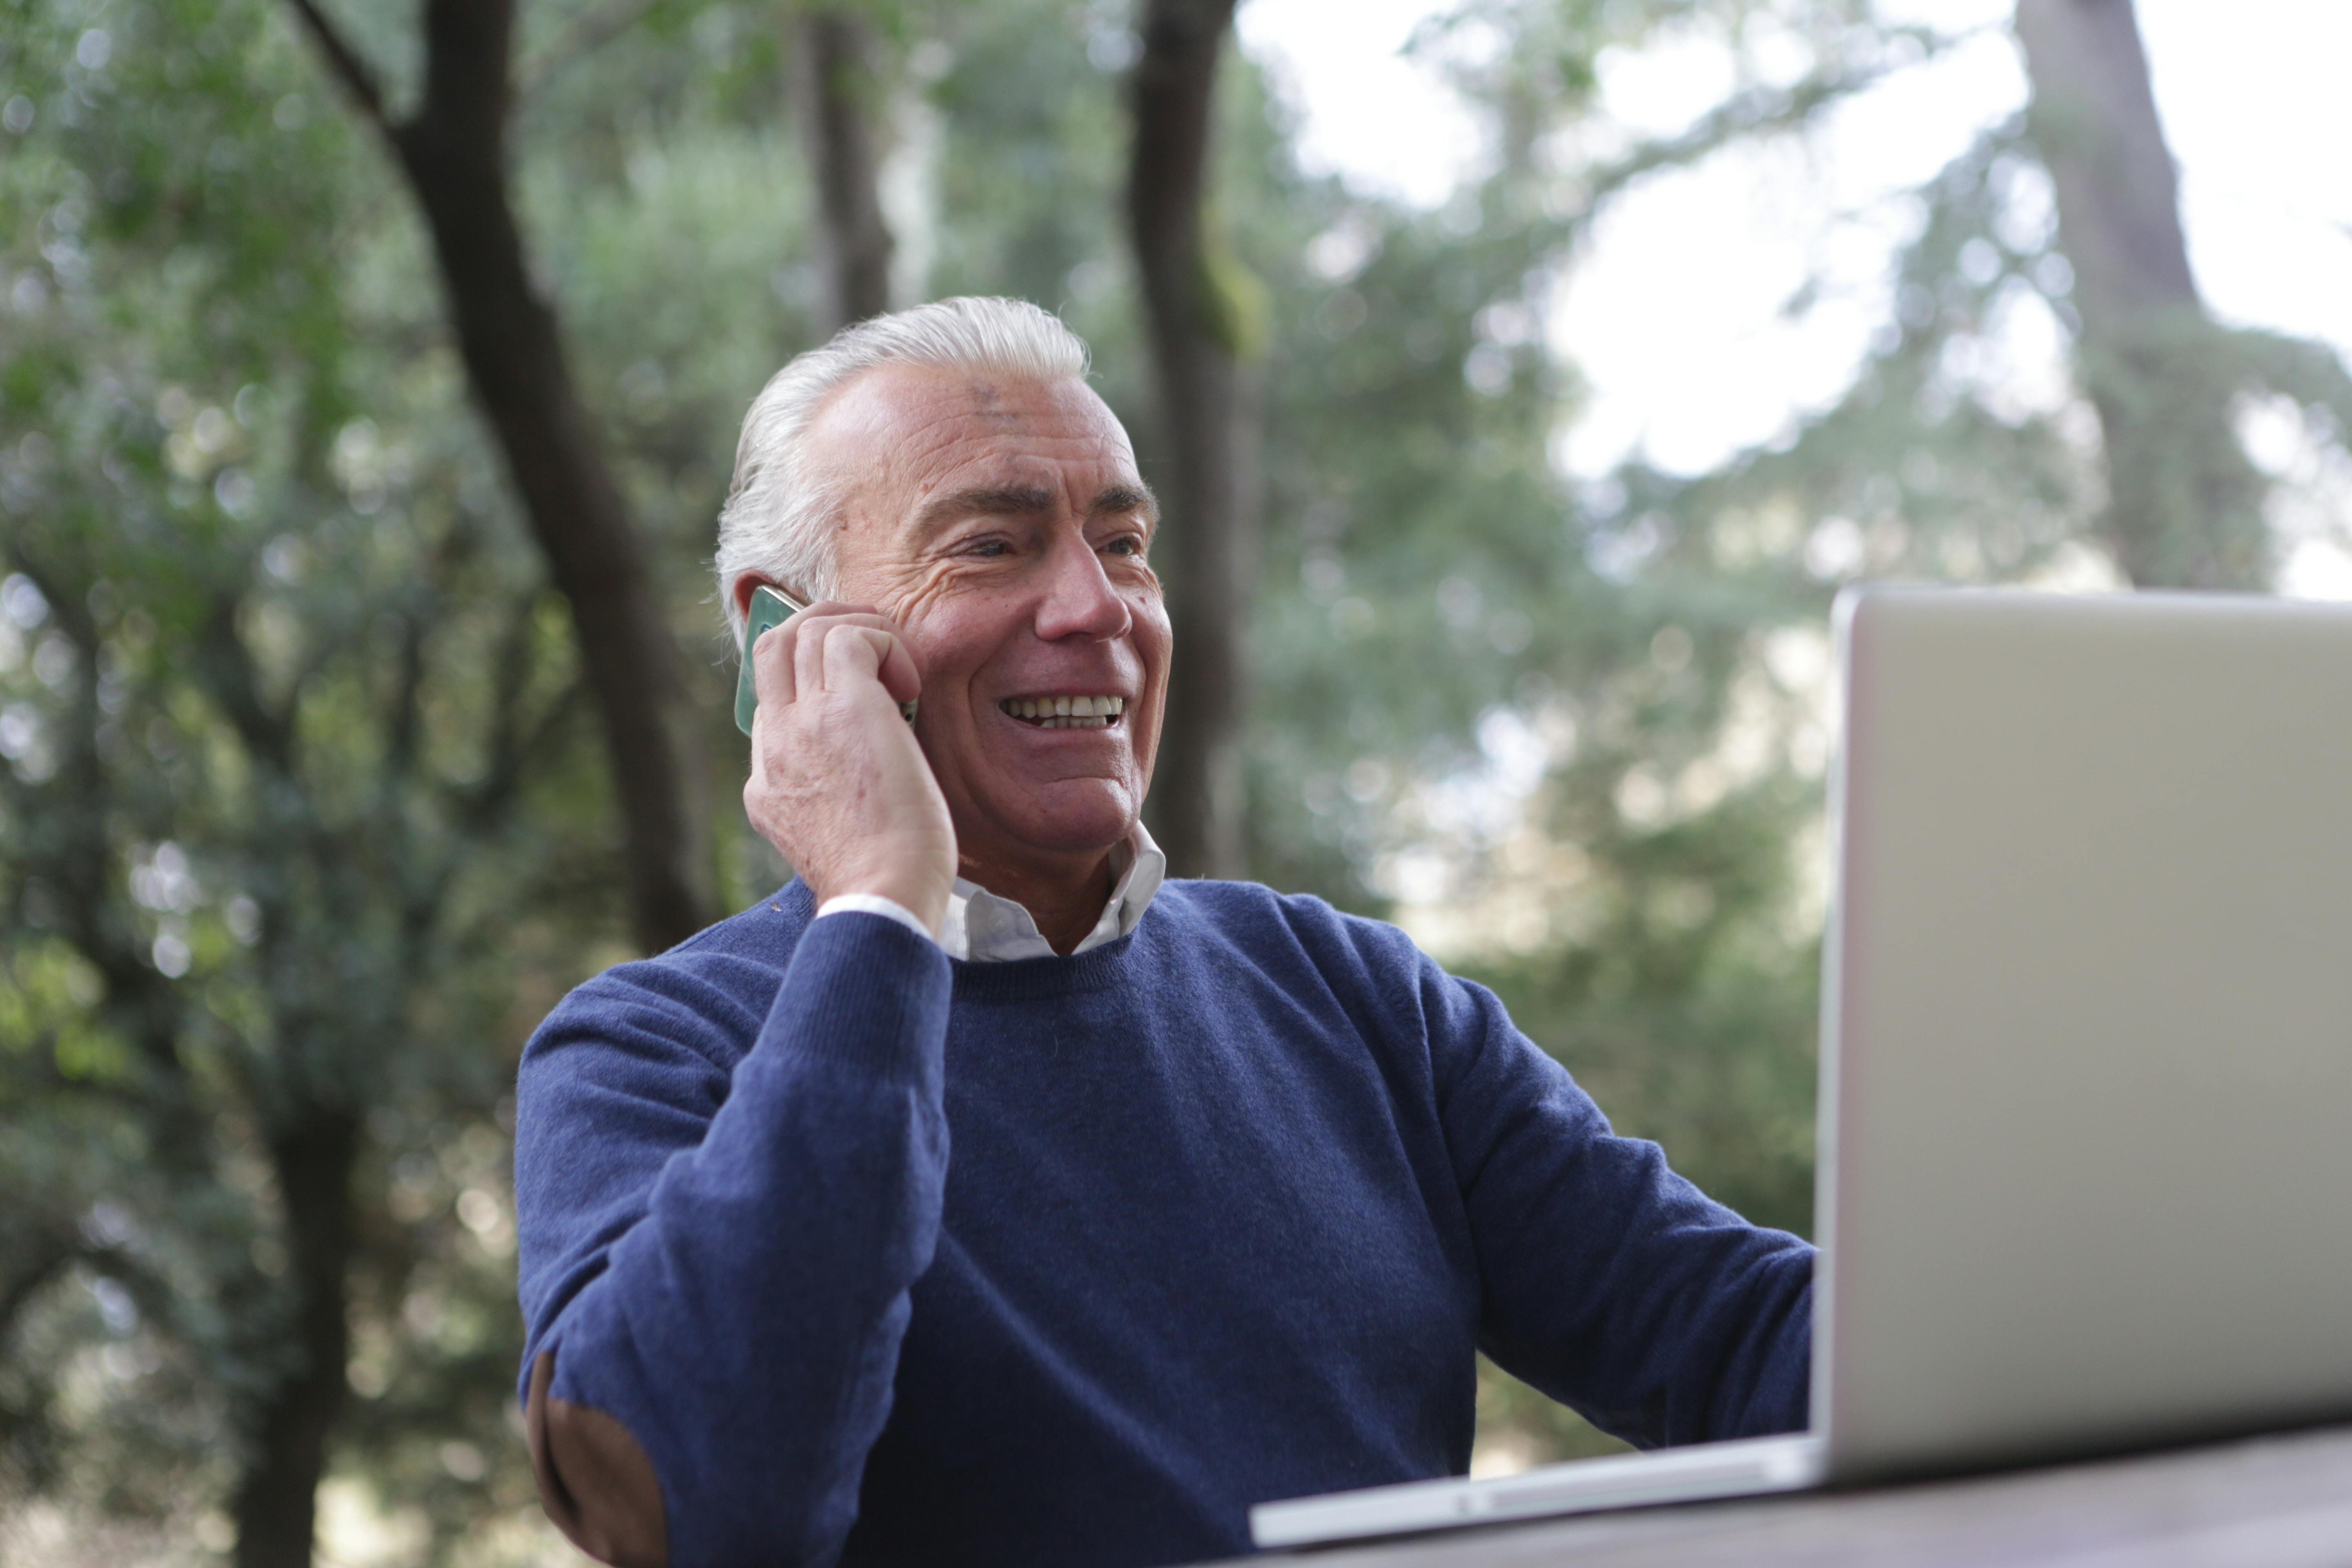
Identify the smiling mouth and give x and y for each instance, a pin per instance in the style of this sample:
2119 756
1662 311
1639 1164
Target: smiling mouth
1064 713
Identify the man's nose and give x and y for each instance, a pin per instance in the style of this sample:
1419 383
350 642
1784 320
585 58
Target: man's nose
1079 600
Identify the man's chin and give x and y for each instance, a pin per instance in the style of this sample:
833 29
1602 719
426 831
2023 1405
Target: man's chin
1069 816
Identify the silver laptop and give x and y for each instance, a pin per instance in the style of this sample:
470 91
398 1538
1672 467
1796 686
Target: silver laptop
2086 1145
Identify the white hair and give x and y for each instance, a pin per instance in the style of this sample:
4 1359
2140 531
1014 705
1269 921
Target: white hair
779 519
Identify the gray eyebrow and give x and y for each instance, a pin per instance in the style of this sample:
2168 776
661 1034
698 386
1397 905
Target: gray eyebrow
1001 501
1125 498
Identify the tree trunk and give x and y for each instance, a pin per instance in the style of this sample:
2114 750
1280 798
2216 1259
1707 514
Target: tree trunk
2184 505
838 94
454 152
276 1507
1209 392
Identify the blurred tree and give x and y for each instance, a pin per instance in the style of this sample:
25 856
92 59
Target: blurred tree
1204 315
840 100
309 921
275 689
2184 506
452 148
298 830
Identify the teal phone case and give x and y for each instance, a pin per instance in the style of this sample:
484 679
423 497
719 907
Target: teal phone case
768 608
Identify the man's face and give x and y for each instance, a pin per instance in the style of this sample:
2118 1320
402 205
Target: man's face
1001 524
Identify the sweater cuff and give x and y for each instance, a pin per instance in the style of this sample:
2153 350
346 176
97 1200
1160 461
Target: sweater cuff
875 904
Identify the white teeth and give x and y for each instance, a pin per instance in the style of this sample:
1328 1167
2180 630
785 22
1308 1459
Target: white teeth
1066 712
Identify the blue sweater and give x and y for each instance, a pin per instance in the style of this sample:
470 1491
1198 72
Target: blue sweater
887 1259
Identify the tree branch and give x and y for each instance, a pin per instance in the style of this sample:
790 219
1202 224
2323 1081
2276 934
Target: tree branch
358 78
583 34
2308 372
1748 113
452 150
226 668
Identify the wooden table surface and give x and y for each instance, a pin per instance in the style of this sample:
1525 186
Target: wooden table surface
2282 1502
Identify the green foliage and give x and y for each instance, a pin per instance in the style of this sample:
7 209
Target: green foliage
291 751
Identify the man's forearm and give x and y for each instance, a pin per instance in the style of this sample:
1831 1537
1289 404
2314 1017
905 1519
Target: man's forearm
1609 1281
722 1269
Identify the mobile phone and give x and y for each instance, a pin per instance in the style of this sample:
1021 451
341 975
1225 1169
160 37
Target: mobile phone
770 607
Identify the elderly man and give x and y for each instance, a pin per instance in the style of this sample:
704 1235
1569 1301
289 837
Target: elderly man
978 1196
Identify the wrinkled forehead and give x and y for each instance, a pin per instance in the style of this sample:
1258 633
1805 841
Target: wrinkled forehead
893 436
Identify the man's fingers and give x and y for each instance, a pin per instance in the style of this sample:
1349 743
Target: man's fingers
888 658
811 634
856 655
771 666
841 785
787 636
828 609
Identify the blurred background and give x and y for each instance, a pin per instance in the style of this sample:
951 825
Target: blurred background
1524 377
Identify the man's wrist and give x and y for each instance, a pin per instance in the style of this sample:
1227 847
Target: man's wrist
877 904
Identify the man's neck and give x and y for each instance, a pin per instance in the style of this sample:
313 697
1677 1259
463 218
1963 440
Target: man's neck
1066 901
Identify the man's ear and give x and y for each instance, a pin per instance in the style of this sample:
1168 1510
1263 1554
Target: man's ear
742 588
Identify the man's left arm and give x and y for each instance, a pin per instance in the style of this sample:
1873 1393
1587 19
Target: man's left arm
1607 1280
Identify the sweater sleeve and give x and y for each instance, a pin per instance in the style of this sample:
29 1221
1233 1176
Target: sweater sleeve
1607 1280
719 1264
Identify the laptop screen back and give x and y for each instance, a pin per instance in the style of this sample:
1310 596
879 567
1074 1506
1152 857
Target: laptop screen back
2087 1026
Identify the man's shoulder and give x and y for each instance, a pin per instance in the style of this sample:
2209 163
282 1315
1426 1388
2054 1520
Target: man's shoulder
1259 923
718 983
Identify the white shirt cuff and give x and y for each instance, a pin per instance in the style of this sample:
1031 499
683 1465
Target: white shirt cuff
875 904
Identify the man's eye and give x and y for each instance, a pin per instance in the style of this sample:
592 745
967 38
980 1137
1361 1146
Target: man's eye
1125 544
990 547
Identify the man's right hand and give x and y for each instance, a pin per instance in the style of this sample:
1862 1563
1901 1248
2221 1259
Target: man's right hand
839 783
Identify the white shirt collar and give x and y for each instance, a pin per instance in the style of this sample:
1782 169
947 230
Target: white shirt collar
985 929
